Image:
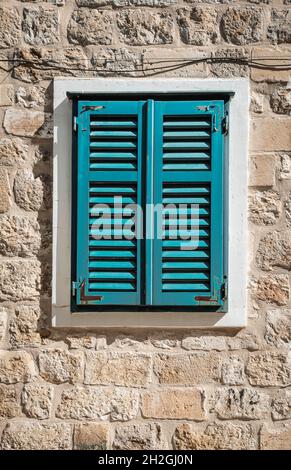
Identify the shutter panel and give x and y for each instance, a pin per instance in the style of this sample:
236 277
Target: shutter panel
188 182
110 141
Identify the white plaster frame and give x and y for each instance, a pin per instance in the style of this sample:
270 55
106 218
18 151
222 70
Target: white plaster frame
236 177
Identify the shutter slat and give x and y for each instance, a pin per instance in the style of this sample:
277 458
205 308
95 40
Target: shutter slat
111 286
111 265
116 275
112 134
185 287
186 135
186 156
113 143
183 123
111 123
186 143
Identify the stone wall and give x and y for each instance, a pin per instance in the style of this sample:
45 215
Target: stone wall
150 389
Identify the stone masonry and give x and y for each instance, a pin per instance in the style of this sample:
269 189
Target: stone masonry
93 389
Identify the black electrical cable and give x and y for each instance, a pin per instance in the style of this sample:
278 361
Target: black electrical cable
152 65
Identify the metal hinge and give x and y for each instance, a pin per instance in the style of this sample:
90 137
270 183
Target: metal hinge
75 286
225 124
75 123
224 291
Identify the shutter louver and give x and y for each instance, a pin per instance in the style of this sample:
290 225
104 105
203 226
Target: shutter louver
110 140
186 143
188 155
113 143
183 268
112 262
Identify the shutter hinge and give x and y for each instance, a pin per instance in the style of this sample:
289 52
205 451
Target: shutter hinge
75 286
224 290
225 124
75 123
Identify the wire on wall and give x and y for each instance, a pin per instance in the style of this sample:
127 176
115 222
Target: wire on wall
150 66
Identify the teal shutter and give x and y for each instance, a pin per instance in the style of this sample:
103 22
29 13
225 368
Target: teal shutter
109 166
188 169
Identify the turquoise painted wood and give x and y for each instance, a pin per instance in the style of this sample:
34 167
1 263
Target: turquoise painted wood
110 146
155 153
188 169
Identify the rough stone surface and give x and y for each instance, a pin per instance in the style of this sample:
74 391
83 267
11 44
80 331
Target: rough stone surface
120 404
242 25
281 405
265 207
257 103
198 26
217 436
50 62
287 207
279 31
16 366
232 371
6 95
206 343
60 366
271 74
28 191
37 436
262 170
275 438
91 436
40 25
174 404
37 400
9 404
13 152
140 3
274 289
241 403
23 327
278 328
140 28
19 236
76 342
229 63
23 122
275 251
19 279
3 325
280 100
117 368
10 30
32 97
141 437
5 191
141 384
186 369
93 3
285 168
90 27
269 369
271 134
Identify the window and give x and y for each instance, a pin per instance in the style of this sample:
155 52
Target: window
149 211
150 206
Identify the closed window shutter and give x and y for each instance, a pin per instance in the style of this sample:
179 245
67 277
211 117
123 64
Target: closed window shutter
109 166
188 169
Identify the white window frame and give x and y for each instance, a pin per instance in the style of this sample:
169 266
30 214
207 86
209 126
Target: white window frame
236 178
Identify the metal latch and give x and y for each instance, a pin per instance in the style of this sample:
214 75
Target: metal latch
75 123
225 124
91 108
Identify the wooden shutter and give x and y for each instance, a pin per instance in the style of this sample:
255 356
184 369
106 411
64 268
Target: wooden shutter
109 165
188 169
